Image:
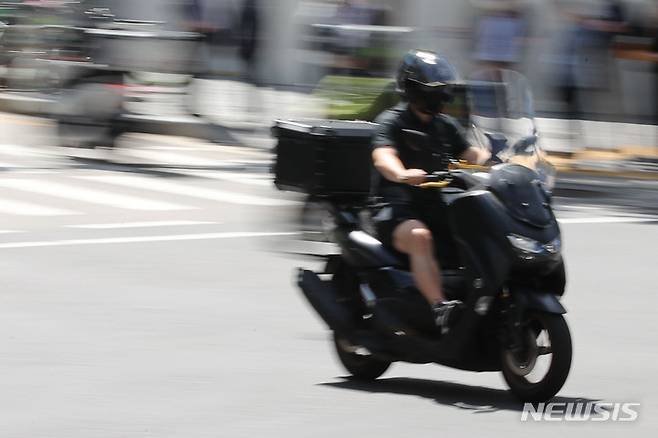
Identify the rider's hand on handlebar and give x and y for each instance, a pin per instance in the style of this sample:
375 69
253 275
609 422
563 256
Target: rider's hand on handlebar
413 177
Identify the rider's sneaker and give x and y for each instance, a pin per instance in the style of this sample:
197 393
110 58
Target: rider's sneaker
446 314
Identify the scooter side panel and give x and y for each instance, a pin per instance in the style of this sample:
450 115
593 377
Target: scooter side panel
480 224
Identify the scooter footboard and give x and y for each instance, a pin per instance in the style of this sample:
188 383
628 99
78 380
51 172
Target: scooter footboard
324 299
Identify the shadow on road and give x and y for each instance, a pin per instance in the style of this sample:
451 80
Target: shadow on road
478 399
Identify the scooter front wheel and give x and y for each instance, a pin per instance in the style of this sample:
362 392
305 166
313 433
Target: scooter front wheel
360 363
537 370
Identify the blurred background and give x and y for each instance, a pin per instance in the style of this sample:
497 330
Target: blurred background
144 291
242 64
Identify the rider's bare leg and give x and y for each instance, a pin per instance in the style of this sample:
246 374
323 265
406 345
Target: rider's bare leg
413 238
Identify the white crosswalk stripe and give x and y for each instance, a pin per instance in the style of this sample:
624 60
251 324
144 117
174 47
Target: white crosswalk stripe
150 224
158 185
87 195
14 150
146 239
21 208
9 165
607 220
171 158
22 157
250 179
60 191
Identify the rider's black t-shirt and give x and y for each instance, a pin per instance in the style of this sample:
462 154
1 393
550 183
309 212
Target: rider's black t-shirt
444 140
399 127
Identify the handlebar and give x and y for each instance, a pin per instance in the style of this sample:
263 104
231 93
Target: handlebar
434 185
442 179
436 180
437 177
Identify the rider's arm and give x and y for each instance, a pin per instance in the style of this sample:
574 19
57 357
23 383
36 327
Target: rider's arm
388 164
475 155
385 156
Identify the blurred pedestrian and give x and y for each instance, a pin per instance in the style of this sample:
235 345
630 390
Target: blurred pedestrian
653 31
584 55
249 41
350 40
249 36
500 33
588 49
352 12
217 22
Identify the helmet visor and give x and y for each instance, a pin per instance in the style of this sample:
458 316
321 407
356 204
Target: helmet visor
434 94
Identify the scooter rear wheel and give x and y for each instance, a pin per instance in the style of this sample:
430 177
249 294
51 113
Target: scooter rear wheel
545 334
358 361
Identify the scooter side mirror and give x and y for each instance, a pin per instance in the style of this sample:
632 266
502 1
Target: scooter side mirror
497 143
521 146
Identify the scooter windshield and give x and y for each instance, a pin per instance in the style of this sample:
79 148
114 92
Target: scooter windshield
503 118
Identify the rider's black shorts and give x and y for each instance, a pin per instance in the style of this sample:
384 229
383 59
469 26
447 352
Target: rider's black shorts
431 211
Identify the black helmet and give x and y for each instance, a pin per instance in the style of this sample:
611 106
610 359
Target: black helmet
425 79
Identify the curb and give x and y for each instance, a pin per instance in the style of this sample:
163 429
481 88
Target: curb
31 106
622 163
193 128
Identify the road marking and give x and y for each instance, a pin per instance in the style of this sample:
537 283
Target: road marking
579 207
159 185
253 179
172 158
122 225
88 195
187 144
607 220
10 165
16 150
144 239
20 208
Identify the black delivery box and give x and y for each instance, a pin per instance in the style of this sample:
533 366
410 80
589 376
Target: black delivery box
324 158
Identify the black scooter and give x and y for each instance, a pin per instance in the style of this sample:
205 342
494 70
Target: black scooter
509 271
511 278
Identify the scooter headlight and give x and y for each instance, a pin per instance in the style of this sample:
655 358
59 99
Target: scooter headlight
529 247
554 246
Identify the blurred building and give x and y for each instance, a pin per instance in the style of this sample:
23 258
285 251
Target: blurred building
616 87
550 37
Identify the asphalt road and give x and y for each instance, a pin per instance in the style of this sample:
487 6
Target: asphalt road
140 298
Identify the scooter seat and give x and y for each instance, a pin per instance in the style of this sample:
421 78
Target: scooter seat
365 251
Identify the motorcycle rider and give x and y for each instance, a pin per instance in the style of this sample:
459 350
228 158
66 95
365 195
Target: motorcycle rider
415 219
